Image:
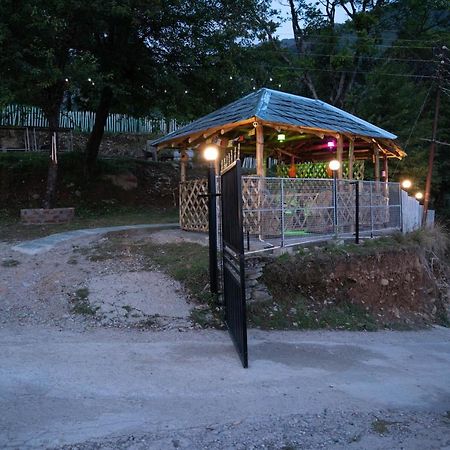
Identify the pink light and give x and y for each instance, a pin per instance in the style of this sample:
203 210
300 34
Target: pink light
330 144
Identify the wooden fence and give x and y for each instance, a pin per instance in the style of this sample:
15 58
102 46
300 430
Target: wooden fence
32 117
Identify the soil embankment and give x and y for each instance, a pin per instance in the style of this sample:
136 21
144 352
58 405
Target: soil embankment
386 284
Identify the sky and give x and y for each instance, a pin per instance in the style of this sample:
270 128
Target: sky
285 29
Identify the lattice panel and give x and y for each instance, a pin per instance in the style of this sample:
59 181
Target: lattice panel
273 207
319 170
193 208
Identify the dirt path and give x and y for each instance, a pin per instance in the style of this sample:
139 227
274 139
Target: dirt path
64 287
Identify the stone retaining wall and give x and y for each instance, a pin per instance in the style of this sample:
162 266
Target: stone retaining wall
255 289
43 216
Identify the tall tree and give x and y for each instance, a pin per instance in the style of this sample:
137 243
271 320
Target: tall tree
148 53
36 39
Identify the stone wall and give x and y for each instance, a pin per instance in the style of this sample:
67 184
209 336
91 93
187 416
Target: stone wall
43 216
255 289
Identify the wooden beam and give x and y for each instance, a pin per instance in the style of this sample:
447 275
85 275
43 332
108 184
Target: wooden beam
198 135
351 158
260 163
285 152
385 169
183 164
319 133
376 154
339 152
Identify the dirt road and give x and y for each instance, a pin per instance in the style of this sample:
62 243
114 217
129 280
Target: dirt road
130 389
73 381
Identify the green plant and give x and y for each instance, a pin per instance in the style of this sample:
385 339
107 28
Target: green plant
381 426
10 262
80 303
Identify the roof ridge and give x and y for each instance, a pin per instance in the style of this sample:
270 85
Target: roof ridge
263 101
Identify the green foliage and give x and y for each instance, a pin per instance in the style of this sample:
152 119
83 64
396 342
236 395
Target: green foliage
294 312
187 263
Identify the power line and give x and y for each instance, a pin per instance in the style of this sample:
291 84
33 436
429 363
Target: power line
343 35
306 69
379 45
382 58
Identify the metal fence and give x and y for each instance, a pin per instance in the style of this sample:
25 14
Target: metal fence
33 117
287 211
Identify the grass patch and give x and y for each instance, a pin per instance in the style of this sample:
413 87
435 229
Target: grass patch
381 426
297 313
10 262
80 303
187 263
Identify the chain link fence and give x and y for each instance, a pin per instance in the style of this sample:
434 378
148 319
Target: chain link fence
280 212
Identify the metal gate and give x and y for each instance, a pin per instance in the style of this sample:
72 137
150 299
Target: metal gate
233 258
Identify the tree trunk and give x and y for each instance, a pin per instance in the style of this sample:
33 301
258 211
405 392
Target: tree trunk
96 136
52 174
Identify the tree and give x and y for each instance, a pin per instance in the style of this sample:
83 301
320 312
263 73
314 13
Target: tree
149 54
36 59
329 56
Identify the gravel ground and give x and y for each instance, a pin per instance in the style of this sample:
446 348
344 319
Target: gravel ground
43 289
385 430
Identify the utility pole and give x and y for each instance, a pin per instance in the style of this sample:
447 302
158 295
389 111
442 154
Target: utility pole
426 201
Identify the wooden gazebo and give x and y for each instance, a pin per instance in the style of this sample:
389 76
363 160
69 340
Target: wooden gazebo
293 131
313 131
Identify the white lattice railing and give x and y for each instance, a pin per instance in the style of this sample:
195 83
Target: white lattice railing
193 207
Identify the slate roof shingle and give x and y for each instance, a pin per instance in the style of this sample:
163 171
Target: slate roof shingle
282 108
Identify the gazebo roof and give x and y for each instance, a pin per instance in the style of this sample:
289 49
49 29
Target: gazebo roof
279 108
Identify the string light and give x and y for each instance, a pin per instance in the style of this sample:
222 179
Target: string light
231 77
89 79
66 80
270 79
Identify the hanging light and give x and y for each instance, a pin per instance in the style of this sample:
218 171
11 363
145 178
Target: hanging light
331 144
419 196
281 137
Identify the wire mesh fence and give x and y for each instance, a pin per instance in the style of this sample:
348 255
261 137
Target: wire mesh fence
287 211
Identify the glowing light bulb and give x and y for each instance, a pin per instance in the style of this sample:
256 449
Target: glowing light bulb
211 152
406 184
334 165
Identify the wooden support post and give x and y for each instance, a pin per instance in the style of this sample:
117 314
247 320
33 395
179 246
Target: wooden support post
385 169
260 163
376 153
339 151
183 165
351 158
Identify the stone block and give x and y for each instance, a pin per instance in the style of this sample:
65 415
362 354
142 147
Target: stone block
41 216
